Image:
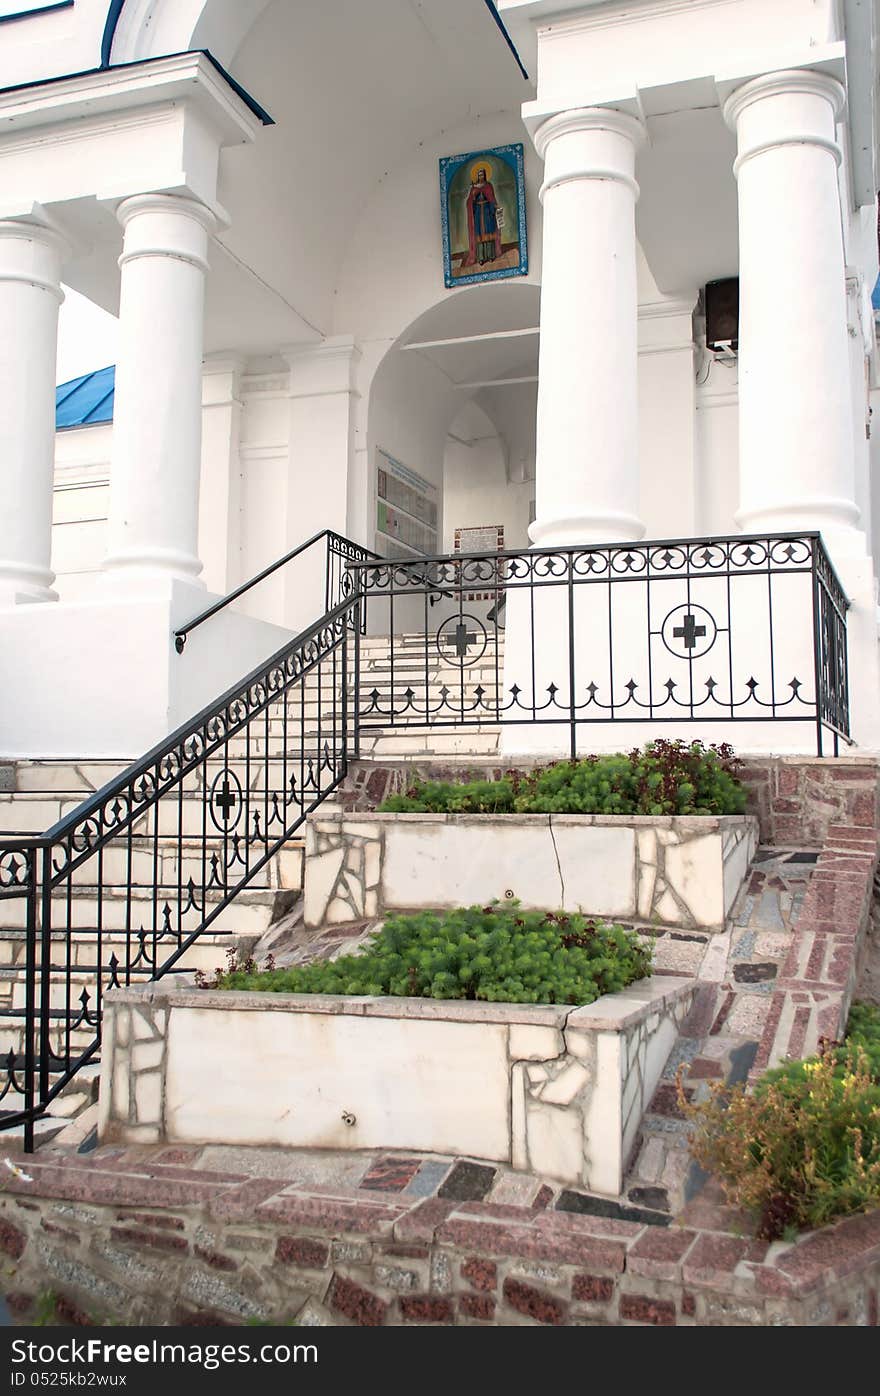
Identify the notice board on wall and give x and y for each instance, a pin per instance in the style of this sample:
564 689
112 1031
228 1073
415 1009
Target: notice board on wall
406 510
485 538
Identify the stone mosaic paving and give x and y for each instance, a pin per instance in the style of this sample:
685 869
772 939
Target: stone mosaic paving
721 1037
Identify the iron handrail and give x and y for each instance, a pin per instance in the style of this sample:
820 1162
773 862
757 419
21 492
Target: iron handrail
343 545
566 549
186 730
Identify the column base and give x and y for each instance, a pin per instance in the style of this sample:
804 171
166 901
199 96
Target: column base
584 529
827 515
24 585
152 572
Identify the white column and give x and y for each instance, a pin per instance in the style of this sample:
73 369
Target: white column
30 297
587 466
323 398
154 507
220 492
795 398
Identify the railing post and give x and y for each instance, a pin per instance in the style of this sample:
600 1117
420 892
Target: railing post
572 715
30 1000
45 967
817 642
344 695
356 736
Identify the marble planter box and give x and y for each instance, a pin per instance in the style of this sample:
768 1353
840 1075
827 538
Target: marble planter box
672 871
560 1091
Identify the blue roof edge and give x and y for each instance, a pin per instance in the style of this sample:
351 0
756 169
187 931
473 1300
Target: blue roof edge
86 401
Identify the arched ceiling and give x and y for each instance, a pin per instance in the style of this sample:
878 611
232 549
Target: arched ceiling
354 88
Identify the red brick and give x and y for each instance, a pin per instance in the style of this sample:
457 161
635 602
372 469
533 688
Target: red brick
704 1069
480 1273
303 1251
19 1304
152 1219
559 1240
65 1232
543 1308
356 1303
688 1305
592 1289
425 1308
137 1236
406 1252
421 1222
69 1314
338 1214
714 1255
481 1306
12 1240
661 1244
216 1259
641 1308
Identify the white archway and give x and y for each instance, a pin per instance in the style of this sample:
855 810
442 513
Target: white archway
151 28
471 359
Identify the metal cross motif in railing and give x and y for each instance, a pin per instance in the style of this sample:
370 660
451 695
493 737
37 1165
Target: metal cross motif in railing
692 632
699 631
125 887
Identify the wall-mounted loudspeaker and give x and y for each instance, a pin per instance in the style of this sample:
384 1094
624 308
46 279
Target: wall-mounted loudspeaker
722 313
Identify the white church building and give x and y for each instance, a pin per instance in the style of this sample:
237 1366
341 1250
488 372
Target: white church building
575 292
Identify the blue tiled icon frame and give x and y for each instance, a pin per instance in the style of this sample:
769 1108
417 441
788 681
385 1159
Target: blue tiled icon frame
449 167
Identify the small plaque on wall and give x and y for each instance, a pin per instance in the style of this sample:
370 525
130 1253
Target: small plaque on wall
487 538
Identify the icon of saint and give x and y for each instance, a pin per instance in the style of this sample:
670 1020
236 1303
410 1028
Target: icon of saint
484 230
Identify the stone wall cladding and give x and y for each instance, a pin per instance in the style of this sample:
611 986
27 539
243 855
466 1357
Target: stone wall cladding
564 1098
147 1240
813 993
800 799
797 799
682 871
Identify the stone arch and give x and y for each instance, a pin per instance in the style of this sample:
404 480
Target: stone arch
410 402
137 29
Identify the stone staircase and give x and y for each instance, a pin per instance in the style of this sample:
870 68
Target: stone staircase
407 668
143 875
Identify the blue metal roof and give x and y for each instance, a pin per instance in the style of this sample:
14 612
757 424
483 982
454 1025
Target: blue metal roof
86 401
875 298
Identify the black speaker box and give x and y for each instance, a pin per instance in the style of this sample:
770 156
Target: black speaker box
722 313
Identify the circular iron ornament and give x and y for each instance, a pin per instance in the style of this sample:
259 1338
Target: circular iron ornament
225 801
790 552
749 556
629 561
689 632
668 559
462 638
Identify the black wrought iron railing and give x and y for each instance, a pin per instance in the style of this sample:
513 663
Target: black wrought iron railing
686 631
124 887
695 632
339 552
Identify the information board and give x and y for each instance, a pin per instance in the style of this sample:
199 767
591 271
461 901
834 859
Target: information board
406 510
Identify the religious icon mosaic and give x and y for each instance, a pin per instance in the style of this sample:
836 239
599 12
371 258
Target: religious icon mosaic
483 211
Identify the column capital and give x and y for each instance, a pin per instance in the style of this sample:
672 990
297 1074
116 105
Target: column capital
577 119
763 124
324 368
166 225
589 143
32 253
